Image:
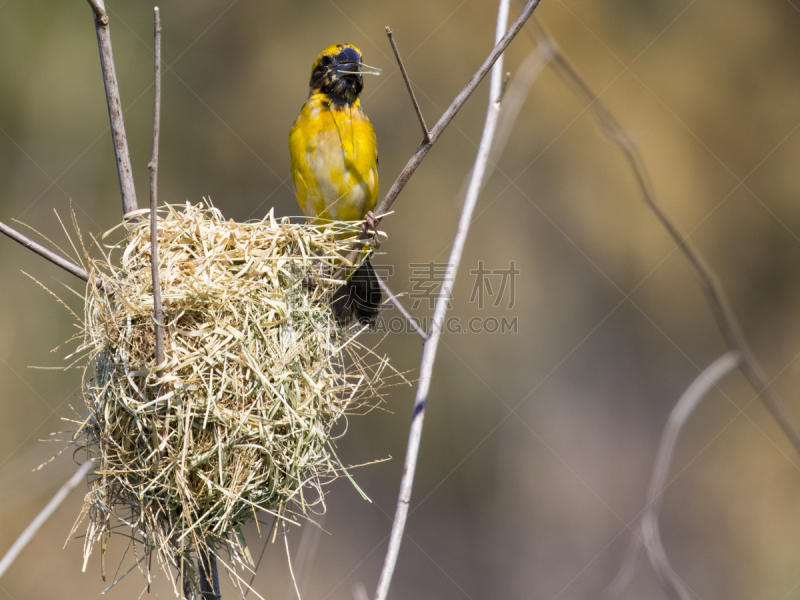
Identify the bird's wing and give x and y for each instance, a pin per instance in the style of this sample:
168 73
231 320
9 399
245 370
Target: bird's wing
360 153
334 161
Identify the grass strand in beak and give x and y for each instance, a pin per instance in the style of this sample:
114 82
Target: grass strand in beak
370 71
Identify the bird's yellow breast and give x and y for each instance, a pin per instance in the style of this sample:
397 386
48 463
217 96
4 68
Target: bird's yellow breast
334 160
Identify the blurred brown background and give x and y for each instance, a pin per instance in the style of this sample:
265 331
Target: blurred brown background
538 445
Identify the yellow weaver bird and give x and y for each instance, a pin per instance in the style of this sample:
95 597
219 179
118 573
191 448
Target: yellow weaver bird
335 165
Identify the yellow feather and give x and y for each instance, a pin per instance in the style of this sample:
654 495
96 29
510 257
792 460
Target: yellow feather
335 167
334 160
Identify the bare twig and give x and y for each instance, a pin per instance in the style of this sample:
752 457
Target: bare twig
650 535
114 109
431 345
444 121
158 309
407 315
683 409
715 296
455 106
209 577
426 136
99 12
30 531
54 258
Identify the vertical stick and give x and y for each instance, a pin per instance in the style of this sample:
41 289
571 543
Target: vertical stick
158 309
437 325
208 563
114 107
449 114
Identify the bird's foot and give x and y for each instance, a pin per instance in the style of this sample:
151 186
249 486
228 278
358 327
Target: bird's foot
311 277
371 228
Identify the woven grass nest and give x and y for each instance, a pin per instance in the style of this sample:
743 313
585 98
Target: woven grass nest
255 378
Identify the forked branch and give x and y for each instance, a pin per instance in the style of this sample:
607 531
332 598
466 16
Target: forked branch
445 120
99 12
455 106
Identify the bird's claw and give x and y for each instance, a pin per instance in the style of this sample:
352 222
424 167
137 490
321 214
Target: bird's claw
371 228
310 279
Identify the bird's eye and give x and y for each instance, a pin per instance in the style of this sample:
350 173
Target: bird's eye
326 60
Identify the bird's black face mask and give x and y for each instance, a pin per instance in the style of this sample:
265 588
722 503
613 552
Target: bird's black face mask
338 76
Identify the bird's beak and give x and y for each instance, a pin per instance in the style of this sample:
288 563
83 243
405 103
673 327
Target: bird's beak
351 67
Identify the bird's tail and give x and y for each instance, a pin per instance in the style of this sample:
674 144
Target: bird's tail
360 298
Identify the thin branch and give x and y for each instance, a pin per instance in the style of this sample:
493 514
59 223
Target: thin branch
431 345
158 309
54 258
99 12
650 535
444 121
426 136
715 296
403 311
114 108
455 106
209 577
41 518
683 409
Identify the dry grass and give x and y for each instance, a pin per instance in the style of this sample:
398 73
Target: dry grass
255 376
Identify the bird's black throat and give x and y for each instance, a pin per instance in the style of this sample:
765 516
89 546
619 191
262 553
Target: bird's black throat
341 90
338 77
